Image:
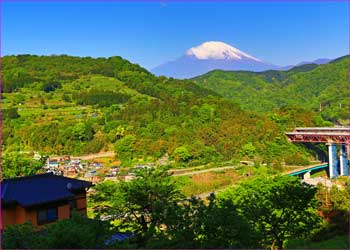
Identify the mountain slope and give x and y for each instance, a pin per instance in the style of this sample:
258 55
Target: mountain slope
309 86
71 105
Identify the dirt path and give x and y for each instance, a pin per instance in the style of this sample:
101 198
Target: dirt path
202 171
94 156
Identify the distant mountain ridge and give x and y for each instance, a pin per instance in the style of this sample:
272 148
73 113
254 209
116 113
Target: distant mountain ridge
214 55
316 62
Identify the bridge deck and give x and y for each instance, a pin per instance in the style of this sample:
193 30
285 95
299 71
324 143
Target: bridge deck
323 129
339 135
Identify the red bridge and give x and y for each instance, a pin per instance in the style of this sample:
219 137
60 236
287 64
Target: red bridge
335 138
337 135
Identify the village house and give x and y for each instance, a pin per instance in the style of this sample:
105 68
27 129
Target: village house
41 199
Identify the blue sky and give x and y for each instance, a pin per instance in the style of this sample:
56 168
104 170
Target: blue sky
151 33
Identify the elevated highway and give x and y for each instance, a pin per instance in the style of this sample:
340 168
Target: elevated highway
335 138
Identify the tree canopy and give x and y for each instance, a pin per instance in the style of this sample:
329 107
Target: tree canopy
73 233
320 88
280 208
81 105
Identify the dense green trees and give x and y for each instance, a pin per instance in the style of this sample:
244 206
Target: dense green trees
193 223
311 87
259 213
15 164
335 207
124 148
92 104
50 86
25 70
101 98
10 113
74 233
280 208
137 203
152 207
263 212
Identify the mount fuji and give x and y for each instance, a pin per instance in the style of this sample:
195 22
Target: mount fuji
209 56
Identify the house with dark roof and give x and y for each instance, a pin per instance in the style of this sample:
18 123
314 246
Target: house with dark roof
41 199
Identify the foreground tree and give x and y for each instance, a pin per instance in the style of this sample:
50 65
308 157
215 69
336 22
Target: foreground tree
195 223
154 209
280 208
135 203
335 208
76 232
15 165
21 237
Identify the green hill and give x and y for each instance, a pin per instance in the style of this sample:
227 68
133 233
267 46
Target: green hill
308 86
72 105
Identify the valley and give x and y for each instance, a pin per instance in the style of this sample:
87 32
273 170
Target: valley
86 106
175 125
214 133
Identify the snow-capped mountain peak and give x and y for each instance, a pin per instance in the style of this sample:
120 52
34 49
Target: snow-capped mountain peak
215 50
210 56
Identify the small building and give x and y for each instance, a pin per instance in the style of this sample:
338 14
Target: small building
41 199
75 162
114 171
90 173
71 171
53 164
66 158
98 165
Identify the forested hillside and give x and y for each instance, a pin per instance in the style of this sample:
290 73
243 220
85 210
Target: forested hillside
63 105
311 87
72 105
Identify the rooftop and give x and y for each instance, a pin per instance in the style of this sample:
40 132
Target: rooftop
39 189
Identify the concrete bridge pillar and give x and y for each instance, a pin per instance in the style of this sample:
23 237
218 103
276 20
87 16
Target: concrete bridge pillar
344 162
333 160
307 175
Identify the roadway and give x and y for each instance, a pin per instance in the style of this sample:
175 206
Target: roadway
306 169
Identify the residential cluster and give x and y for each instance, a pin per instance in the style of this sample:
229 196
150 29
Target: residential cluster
93 170
71 167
